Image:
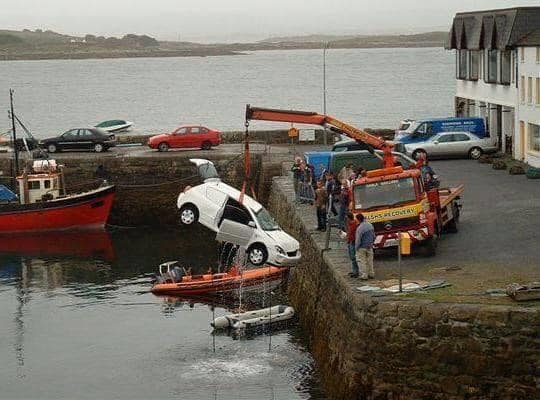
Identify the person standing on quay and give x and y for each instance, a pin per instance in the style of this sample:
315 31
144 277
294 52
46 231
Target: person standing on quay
364 240
297 177
352 225
321 200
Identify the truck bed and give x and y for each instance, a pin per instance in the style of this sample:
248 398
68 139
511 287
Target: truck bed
446 195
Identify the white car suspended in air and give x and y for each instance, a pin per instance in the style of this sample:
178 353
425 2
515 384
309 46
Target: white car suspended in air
213 201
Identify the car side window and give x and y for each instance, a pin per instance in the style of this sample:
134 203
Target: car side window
195 130
72 134
429 128
461 137
181 131
446 138
204 130
421 130
84 133
236 212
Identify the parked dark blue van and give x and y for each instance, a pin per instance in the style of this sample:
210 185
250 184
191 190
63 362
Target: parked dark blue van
420 131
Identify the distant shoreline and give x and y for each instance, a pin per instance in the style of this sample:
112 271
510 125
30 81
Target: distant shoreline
186 53
49 45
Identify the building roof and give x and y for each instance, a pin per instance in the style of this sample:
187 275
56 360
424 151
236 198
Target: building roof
495 29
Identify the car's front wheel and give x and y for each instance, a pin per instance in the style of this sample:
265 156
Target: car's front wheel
98 148
51 148
257 254
163 147
475 153
189 214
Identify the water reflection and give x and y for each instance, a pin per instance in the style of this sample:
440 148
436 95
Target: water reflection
74 302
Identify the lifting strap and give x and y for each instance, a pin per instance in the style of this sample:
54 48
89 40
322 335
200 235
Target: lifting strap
247 163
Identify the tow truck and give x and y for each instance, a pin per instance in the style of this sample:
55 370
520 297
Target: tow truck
393 199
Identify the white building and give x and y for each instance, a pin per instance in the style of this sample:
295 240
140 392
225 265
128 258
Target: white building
498 75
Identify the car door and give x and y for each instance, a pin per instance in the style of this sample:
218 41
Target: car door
461 144
86 139
193 138
69 139
179 137
440 145
212 210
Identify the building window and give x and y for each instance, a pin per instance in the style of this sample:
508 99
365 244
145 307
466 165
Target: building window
474 61
522 89
461 64
490 66
534 137
529 90
506 67
538 54
522 54
47 184
538 91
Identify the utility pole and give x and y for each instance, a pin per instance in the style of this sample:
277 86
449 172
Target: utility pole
325 46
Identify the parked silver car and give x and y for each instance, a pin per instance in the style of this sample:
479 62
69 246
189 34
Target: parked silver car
462 144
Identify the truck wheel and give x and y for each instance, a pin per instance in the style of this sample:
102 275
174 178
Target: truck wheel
257 254
475 153
453 225
430 246
189 214
163 147
416 154
206 145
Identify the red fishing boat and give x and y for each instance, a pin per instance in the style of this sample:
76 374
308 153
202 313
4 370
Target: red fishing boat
174 280
43 204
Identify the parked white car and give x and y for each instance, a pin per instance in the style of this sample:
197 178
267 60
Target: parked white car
457 144
214 201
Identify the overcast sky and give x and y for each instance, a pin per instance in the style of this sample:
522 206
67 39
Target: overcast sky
238 20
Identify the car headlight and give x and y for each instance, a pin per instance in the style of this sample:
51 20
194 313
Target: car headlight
280 250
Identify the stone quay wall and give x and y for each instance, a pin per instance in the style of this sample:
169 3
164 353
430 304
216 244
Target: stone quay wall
147 187
403 348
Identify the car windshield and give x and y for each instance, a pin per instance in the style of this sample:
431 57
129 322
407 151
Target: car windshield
208 171
385 193
266 221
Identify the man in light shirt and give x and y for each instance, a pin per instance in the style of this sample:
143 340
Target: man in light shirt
365 237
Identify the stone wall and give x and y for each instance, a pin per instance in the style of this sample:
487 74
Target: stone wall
397 348
147 187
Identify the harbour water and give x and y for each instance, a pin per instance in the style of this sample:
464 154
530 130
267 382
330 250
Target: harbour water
78 321
366 87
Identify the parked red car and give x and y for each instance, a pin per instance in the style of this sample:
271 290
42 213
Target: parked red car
188 136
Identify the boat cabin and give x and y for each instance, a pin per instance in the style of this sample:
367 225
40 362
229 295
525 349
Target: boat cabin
44 184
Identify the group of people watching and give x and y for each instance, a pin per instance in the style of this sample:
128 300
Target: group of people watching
332 195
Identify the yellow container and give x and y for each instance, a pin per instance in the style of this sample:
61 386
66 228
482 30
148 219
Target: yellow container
405 241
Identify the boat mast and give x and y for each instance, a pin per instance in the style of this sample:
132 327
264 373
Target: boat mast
12 114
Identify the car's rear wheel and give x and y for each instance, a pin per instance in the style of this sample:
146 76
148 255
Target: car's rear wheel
206 145
98 148
419 153
475 153
51 148
163 147
257 254
189 214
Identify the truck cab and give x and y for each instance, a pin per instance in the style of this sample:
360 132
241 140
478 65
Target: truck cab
393 200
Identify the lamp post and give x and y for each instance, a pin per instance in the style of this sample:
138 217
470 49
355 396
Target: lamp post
325 46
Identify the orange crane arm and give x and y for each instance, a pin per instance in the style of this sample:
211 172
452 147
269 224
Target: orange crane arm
304 117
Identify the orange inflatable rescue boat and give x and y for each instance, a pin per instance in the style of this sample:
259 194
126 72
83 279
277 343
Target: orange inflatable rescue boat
173 279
